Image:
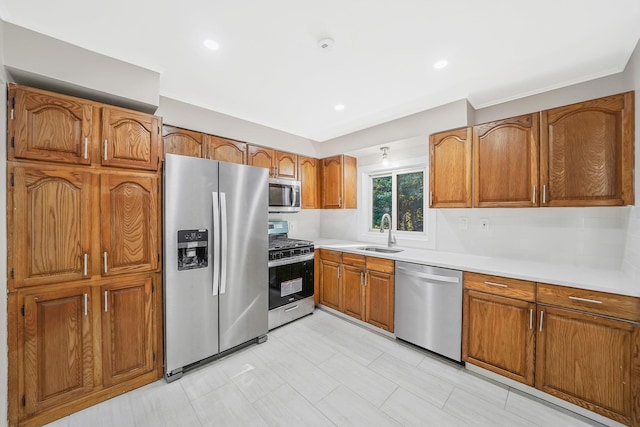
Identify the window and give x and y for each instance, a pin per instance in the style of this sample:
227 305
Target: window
401 195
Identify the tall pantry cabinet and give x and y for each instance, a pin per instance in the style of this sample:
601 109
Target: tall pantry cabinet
84 289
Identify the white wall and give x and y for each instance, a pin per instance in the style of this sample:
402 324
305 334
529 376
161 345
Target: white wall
3 239
631 260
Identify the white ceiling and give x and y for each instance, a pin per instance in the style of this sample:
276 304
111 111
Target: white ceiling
270 70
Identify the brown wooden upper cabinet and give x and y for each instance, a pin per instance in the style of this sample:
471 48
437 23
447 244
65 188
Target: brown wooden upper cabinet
51 223
339 182
50 127
184 142
57 128
279 163
450 160
227 150
130 139
309 174
505 154
586 153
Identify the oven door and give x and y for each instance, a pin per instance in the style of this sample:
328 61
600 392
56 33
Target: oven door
290 282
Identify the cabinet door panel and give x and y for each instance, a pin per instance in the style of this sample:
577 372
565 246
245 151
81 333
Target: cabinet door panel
450 160
287 164
184 142
332 182
588 361
262 157
379 299
51 224
330 284
48 127
227 150
129 223
308 170
129 139
498 335
58 357
506 162
585 152
126 330
353 291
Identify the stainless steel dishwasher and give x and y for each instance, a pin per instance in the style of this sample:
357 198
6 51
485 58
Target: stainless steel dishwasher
428 308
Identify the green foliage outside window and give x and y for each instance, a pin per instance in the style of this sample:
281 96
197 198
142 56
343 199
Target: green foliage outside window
409 193
381 199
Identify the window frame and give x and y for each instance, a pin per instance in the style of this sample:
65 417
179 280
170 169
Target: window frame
423 239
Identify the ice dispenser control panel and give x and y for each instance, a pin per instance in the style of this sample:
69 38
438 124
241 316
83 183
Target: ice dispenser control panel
193 249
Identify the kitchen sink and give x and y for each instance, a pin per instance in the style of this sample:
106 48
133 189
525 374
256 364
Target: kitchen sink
379 249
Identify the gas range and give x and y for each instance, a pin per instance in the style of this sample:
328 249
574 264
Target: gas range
284 250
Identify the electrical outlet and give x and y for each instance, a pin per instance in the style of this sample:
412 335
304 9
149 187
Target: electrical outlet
463 224
484 224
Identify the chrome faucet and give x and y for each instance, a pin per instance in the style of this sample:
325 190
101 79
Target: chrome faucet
392 239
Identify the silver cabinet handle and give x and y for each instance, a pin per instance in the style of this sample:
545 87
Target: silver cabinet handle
533 200
544 194
86 147
362 278
223 243
500 285
106 300
216 243
291 309
275 169
431 198
104 258
531 318
541 318
105 149
84 266
338 272
339 201
86 303
594 301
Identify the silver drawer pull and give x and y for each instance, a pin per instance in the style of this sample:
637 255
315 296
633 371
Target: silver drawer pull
594 301
531 318
291 309
541 319
500 285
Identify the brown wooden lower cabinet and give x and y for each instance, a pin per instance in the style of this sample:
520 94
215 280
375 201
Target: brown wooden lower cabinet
498 335
591 361
358 285
78 344
57 351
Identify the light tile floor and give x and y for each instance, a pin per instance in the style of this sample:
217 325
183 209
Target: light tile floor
325 371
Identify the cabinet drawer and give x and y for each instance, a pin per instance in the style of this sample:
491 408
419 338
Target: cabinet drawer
328 255
353 260
513 288
380 264
620 306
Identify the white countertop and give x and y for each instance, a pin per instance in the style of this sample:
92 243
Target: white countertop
605 280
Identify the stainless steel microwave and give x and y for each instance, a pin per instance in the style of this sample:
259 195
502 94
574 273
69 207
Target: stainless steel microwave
284 195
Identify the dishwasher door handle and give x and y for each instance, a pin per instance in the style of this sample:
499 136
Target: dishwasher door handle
428 276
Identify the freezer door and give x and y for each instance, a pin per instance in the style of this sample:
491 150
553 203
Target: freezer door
190 300
244 275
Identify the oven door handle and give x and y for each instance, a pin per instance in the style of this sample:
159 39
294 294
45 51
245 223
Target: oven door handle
287 261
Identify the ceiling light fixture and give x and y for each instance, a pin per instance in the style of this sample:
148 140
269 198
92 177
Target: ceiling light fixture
339 107
385 159
326 43
211 44
439 65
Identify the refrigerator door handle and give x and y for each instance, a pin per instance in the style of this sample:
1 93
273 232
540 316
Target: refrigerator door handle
223 242
216 244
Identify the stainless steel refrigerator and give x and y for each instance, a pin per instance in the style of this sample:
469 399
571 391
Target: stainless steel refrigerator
215 259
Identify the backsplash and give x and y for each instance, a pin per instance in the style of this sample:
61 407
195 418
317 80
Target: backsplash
589 237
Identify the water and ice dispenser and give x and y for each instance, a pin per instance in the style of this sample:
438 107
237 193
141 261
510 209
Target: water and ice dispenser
193 249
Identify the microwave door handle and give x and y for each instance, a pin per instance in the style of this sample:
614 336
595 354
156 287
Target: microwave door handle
293 195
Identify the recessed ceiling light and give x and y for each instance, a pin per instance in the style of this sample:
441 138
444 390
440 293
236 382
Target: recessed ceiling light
339 107
211 44
439 65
